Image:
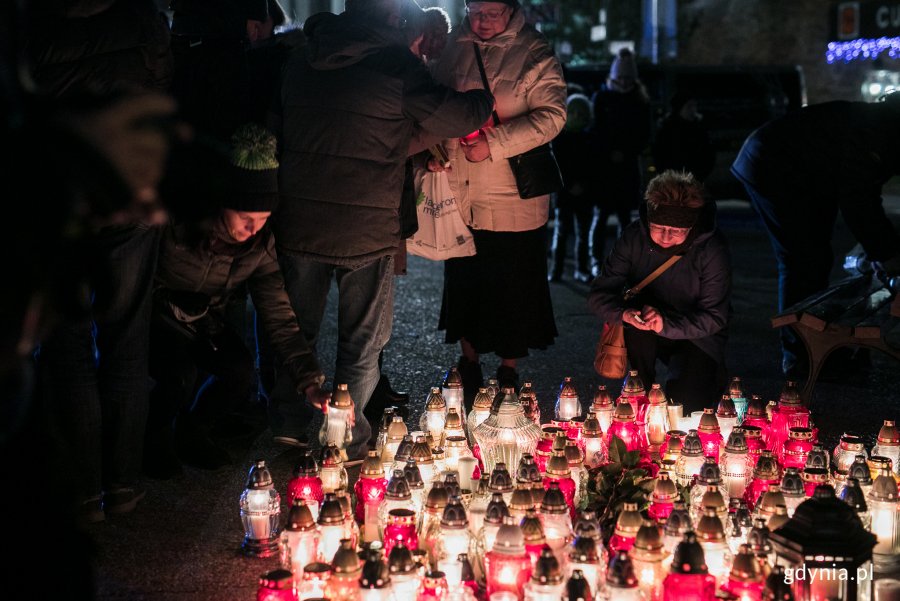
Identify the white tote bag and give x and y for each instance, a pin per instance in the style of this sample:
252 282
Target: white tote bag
442 233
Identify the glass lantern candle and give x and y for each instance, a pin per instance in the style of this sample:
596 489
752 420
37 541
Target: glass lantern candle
440 463
416 486
734 464
818 457
579 473
422 455
587 525
877 463
634 391
755 444
709 489
452 390
711 536
858 469
627 525
765 472
331 527
506 434
710 434
331 469
454 425
853 496
592 436
521 501
396 496
375 578
577 588
306 484
826 538
758 540
657 417
546 583
663 496
739 523
260 507
647 557
396 433
315 579
507 566
533 533
558 471
676 526
745 581
493 387
568 406
528 474
351 528
738 398
688 578
467 578
884 509
778 519
494 517
386 419
299 539
501 481
544 446
726 415
435 415
346 568
813 478
588 557
888 444
788 413
481 409
405 577
603 407
769 501
434 510
481 496
400 527
434 587
792 489
276 585
529 401
690 459
625 428
454 536
554 516
369 490
756 415
672 449
336 426
621 582
455 447
797 447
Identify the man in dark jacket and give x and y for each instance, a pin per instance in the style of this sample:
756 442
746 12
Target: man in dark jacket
799 171
681 317
350 100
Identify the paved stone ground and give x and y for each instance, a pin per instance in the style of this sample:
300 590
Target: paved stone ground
181 543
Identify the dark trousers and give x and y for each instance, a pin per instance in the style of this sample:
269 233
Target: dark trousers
695 379
571 217
801 239
197 376
94 369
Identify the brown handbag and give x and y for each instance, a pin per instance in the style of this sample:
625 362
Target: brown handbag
611 358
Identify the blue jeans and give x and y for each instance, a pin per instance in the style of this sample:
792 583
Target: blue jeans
800 230
365 318
96 367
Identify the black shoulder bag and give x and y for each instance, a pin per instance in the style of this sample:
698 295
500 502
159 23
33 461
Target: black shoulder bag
535 170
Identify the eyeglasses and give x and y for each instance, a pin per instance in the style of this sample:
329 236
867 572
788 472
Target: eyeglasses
672 232
485 15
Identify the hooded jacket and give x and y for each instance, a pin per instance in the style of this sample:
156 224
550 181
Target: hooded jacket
349 102
527 81
197 275
693 295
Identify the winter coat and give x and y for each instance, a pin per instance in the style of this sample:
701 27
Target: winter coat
693 295
527 81
349 102
196 277
831 155
622 125
98 46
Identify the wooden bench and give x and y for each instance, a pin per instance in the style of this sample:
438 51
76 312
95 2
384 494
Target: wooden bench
852 312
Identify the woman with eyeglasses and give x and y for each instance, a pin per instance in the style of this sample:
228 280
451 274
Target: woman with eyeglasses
498 301
680 318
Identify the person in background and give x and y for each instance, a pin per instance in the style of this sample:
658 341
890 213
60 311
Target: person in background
622 123
800 171
682 142
680 318
350 100
498 301
574 149
201 366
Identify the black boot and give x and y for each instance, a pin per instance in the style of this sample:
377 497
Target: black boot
508 377
472 379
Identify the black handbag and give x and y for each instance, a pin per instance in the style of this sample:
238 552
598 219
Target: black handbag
536 171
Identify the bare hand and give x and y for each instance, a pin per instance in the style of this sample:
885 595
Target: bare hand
318 397
633 318
476 148
435 165
652 318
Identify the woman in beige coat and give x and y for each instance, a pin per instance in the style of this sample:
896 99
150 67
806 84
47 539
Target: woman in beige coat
498 301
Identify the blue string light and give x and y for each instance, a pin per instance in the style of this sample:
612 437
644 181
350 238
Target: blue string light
862 49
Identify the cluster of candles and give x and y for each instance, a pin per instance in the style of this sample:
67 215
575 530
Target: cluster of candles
492 505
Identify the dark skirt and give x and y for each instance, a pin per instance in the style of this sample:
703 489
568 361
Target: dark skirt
499 299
